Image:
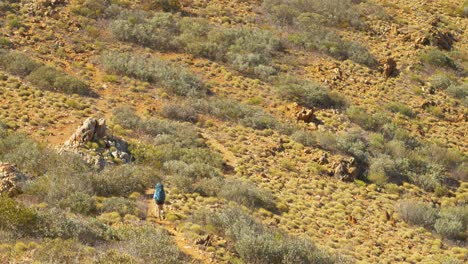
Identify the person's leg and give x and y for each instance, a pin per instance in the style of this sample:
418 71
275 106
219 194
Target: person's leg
160 208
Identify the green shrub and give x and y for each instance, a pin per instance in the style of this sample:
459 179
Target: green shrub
247 194
307 93
17 63
165 5
114 256
437 58
126 117
338 13
63 251
80 203
440 81
175 79
90 8
120 205
57 224
257 244
401 108
149 244
122 180
158 32
459 91
418 213
180 112
306 138
366 121
452 222
16 217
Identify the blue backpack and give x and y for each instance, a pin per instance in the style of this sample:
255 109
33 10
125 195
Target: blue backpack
159 194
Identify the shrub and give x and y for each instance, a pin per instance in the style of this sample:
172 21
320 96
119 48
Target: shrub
180 112
258 244
437 58
418 213
56 224
369 122
354 143
260 120
126 117
120 205
122 180
440 81
452 222
305 138
174 79
339 13
17 63
165 5
401 108
459 91
308 94
63 251
15 217
248 195
149 244
158 32
80 203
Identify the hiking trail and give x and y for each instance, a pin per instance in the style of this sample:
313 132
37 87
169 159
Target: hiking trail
186 246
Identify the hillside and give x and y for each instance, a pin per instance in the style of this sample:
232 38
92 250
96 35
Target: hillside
284 131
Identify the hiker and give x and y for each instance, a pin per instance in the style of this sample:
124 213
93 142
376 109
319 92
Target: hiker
159 198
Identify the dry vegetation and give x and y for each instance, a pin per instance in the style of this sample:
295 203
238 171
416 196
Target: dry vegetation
205 93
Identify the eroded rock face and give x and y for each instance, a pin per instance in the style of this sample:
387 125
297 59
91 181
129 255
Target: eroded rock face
9 179
389 67
346 170
92 129
91 141
306 115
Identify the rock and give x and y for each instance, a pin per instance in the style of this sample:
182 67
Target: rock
389 67
442 40
92 129
9 179
345 171
323 159
428 104
306 115
205 241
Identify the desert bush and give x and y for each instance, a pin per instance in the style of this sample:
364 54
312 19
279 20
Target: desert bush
90 8
126 117
338 13
180 112
120 205
63 251
452 222
368 122
148 244
158 32
112 256
440 81
57 224
17 63
260 120
306 138
437 58
66 175
16 217
81 203
174 79
164 5
401 108
418 213
247 194
354 143
459 91
122 180
257 244
209 186
27 154
307 93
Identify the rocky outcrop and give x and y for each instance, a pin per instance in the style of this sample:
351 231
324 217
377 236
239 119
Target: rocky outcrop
306 115
93 143
92 129
389 67
346 170
9 179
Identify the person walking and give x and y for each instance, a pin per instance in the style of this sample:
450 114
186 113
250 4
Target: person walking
159 198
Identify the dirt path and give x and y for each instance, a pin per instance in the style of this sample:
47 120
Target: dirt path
186 246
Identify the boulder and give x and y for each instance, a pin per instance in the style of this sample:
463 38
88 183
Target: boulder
306 115
92 129
9 179
389 67
345 170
